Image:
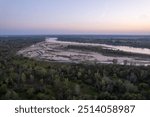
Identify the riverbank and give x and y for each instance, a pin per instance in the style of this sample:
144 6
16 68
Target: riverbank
53 50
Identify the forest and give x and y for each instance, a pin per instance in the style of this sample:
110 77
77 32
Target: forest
23 78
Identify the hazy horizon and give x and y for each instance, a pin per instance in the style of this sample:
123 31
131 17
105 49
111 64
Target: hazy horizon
74 17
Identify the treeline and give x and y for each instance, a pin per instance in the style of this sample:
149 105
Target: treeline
24 78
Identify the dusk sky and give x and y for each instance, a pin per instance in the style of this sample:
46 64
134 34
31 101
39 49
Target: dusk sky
74 17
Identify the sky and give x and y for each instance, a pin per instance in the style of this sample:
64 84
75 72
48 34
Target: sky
74 17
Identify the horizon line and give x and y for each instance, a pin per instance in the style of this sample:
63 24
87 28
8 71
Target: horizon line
74 34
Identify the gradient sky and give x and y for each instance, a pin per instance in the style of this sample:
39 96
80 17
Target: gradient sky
74 17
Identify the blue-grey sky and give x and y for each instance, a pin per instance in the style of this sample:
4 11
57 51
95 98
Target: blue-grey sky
74 17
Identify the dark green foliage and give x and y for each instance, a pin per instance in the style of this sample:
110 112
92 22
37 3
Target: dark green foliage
23 78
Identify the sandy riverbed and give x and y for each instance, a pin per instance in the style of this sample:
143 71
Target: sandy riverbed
53 50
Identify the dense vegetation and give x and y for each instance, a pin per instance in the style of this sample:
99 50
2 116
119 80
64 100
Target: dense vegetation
24 78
